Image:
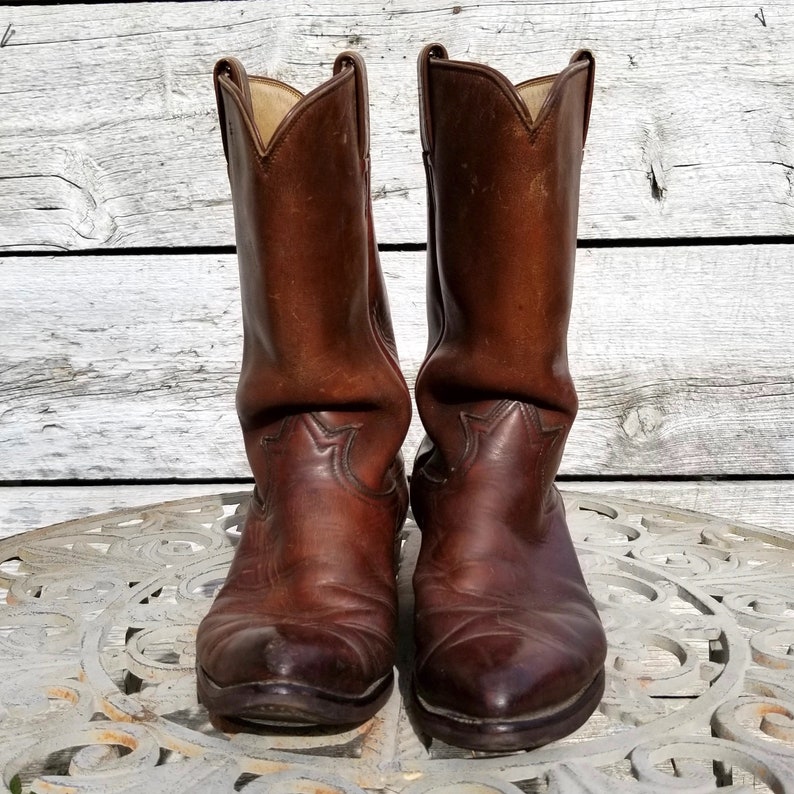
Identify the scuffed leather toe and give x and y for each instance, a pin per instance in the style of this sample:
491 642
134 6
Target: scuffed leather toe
338 658
496 668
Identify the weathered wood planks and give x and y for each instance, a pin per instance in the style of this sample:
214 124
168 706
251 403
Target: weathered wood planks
766 504
125 366
108 133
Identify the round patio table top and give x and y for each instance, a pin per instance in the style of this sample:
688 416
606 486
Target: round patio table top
97 654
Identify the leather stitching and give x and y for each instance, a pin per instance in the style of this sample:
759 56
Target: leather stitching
337 81
265 160
533 130
472 434
530 413
340 455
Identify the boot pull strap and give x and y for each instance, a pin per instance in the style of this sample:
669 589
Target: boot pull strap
425 122
234 71
586 55
354 60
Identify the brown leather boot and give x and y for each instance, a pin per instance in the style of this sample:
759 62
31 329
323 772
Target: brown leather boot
303 630
509 646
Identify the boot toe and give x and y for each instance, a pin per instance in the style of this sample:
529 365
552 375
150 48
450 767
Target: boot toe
337 659
257 669
504 674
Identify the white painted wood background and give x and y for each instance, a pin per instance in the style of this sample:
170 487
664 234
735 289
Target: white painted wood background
118 355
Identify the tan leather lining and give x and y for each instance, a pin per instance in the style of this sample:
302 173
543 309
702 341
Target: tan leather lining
270 102
534 93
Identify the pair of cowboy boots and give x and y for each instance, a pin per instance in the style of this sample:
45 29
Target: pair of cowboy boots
509 646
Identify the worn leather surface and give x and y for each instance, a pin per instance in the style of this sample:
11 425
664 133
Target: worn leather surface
505 627
310 597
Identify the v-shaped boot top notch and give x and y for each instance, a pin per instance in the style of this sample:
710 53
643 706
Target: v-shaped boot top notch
271 100
265 102
534 93
532 99
269 106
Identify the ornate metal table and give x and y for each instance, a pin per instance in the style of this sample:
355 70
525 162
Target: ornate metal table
97 655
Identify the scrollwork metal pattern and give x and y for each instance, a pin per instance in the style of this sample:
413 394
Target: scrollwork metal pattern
97 652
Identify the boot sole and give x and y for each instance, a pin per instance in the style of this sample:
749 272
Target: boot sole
522 733
286 705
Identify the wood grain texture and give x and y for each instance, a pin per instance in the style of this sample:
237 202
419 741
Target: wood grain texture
126 366
23 508
766 504
109 139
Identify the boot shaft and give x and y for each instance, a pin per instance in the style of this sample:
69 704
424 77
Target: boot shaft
503 165
316 326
